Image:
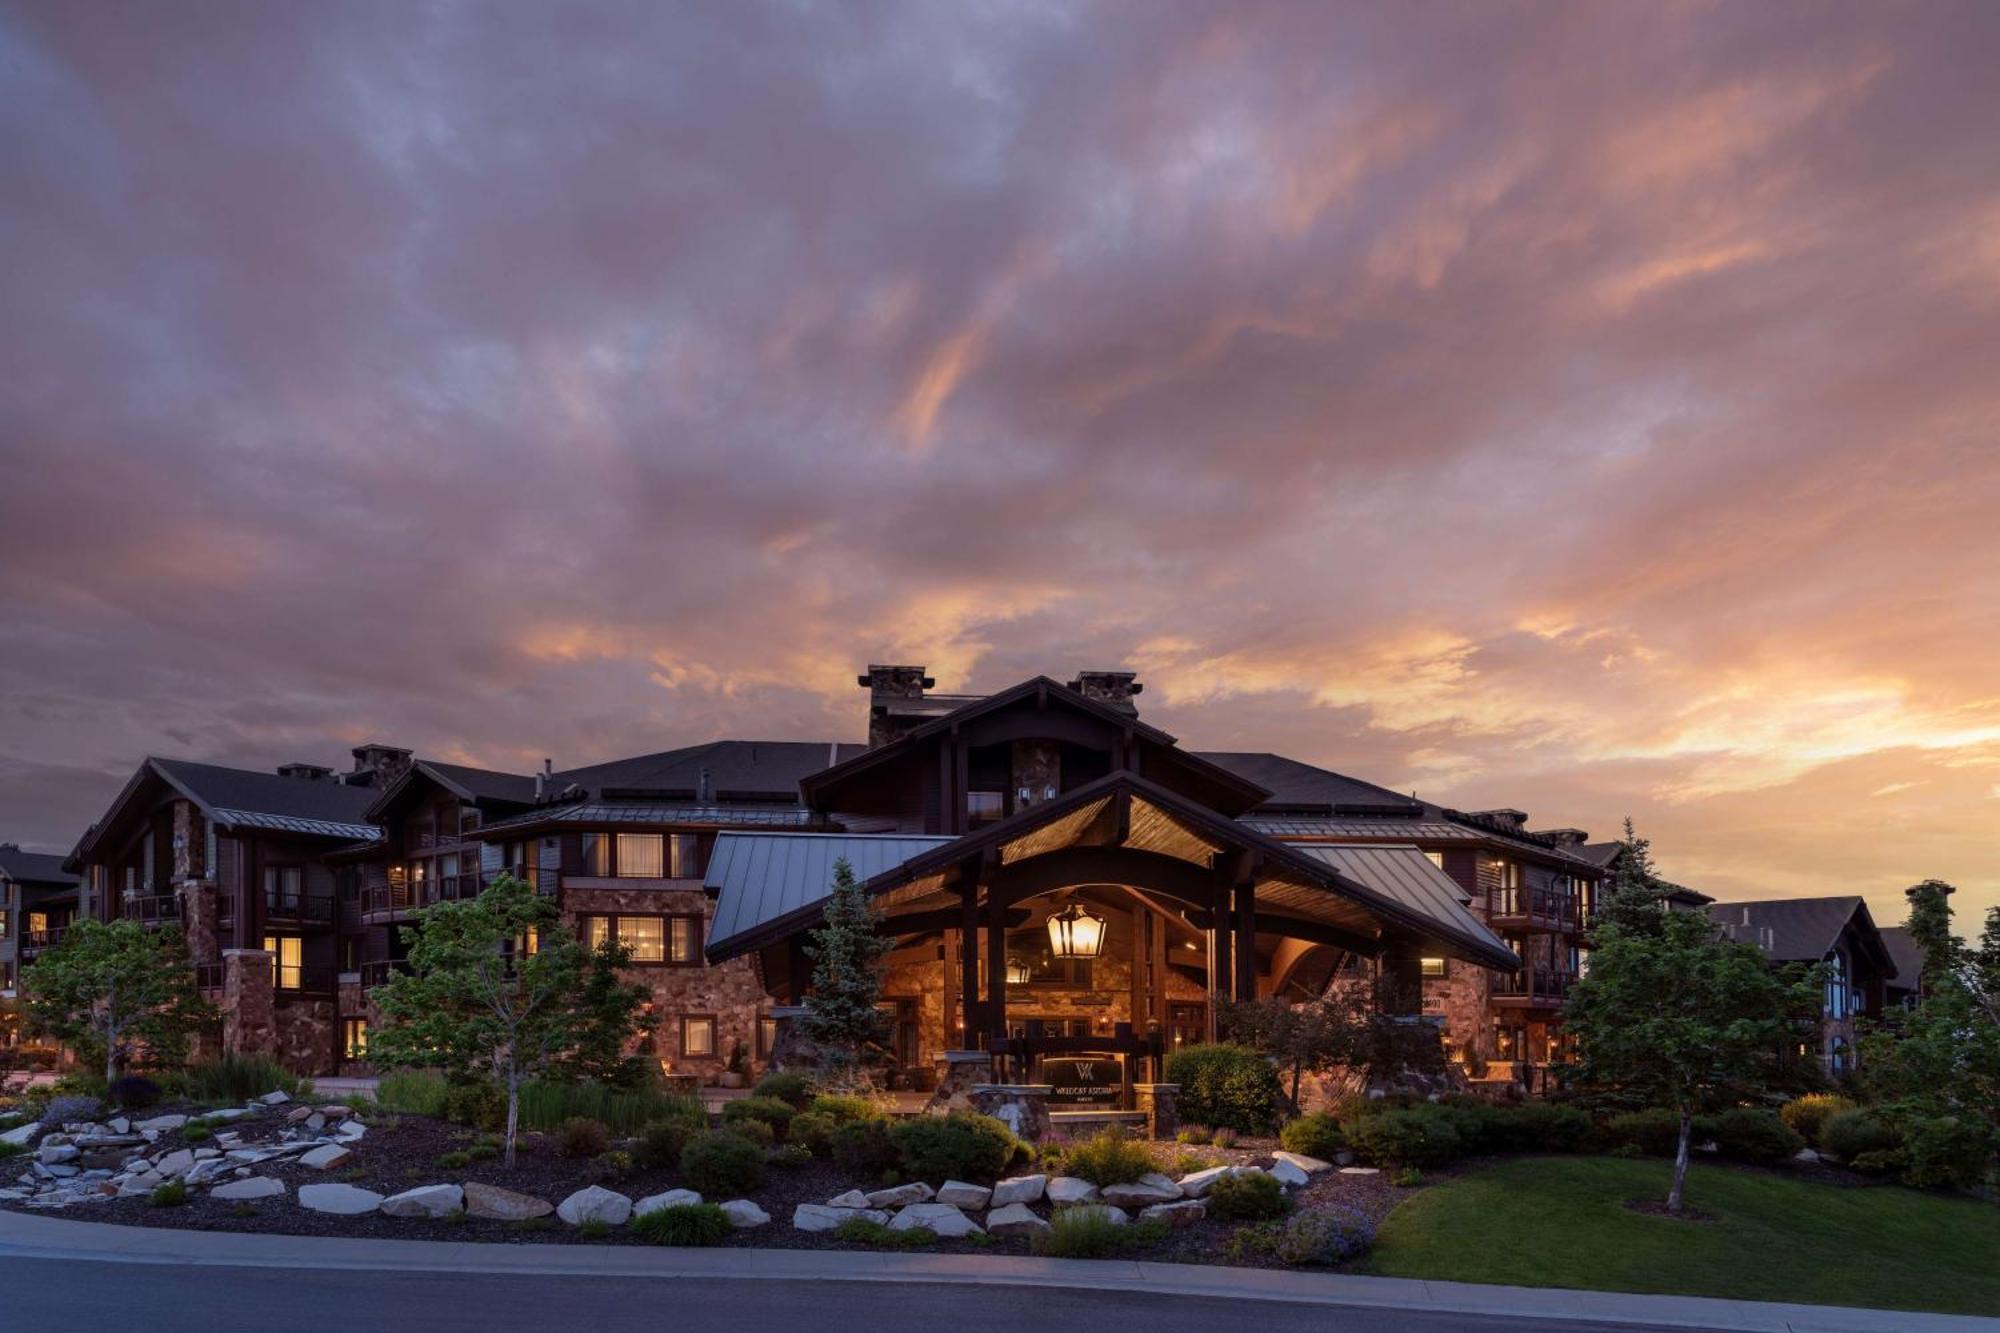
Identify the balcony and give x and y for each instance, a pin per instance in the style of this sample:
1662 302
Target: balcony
384 900
154 909
1534 909
307 981
305 909
1533 988
34 942
208 977
378 971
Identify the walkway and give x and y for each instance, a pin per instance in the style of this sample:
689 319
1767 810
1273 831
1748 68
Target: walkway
28 1244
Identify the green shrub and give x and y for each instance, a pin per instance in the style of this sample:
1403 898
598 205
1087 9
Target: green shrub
1532 1127
1315 1135
1408 1178
1194 1134
475 1102
412 1091
482 1152
11 1149
794 1089
1225 1137
1108 1157
1881 1162
813 1132
1654 1132
1330 1235
1850 1134
722 1163
452 1161
1744 1134
771 1111
662 1142
595 1229
172 1194
690 1224
545 1105
1229 1087
843 1109
1087 1232
865 1150
961 1146
879 1235
1946 1152
582 1137
196 1133
1416 1136
1807 1115
790 1155
758 1132
238 1078
1248 1197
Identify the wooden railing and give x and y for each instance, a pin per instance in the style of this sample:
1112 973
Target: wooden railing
35 941
1536 906
152 909
376 972
311 907
1540 983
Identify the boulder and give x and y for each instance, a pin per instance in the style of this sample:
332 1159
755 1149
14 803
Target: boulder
594 1203
1013 1219
426 1201
343 1200
1312 1166
22 1135
349 1130
1069 1189
118 1125
175 1163
940 1219
652 1203
1144 1192
492 1202
298 1115
275 1098
203 1172
255 1187
1285 1173
1184 1213
233 1113
326 1157
52 1153
1196 1184
1360 1170
1019 1189
851 1199
901 1196
743 1214
824 1217
961 1195
1805 1157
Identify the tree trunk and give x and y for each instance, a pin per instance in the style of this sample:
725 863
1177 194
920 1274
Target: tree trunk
513 1110
1681 1161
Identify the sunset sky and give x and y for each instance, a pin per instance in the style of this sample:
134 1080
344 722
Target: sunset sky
1592 409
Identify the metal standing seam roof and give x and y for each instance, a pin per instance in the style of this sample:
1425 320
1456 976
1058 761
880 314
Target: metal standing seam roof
759 877
627 812
1320 826
324 828
1405 874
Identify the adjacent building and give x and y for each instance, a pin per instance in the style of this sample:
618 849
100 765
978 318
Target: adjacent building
38 899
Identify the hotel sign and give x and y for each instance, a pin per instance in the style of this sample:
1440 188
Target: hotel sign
1085 1080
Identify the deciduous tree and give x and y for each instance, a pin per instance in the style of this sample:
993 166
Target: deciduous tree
111 989
479 1002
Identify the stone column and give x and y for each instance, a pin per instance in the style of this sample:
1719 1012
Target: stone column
249 1003
197 908
1022 1107
1161 1103
190 843
958 1073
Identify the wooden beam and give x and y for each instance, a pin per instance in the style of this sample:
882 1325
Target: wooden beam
942 918
968 960
1318 932
1246 941
996 969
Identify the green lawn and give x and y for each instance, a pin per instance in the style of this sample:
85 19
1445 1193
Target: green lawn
1561 1222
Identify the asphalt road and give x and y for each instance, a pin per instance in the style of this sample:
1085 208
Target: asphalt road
86 1296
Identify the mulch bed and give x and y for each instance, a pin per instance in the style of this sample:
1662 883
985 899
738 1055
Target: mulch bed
400 1152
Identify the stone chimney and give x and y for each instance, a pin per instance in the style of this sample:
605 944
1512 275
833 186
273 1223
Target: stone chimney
377 765
1565 837
309 772
1514 821
890 690
1116 688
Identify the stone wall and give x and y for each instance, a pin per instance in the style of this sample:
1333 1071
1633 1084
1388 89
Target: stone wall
197 906
303 1035
248 1003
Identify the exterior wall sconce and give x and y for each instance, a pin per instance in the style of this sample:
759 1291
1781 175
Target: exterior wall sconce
1018 972
1076 933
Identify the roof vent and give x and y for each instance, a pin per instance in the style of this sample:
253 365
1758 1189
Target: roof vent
704 792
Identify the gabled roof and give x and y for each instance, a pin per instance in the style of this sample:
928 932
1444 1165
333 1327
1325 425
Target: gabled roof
479 785
1802 930
1292 783
761 769
1905 953
760 878
241 797
34 868
1038 688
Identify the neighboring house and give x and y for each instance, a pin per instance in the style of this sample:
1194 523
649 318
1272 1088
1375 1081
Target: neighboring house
974 821
38 900
1907 985
1836 931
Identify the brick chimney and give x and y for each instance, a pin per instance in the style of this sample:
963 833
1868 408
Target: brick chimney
1116 688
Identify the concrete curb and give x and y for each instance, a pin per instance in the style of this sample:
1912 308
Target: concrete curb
50 1238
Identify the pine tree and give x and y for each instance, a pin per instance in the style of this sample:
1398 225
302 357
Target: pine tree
843 1017
1633 898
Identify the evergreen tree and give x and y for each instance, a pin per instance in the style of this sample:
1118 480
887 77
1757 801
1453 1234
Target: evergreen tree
113 989
1634 897
1685 1017
843 1017
478 1005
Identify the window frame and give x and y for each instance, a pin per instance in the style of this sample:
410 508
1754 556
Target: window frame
619 869
274 944
587 926
350 1029
714 1036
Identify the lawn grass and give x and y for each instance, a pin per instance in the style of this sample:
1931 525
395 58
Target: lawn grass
1562 1222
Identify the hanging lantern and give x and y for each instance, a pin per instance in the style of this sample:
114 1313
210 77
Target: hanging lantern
1018 972
1076 933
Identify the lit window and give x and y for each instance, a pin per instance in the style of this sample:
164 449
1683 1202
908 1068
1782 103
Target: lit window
596 930
687 859
644 937
767 1036
597 854
283 886
531 941
697 1035
1435 858
683 939
354 1038
984 807
288 960
641 856
3 923
1432 967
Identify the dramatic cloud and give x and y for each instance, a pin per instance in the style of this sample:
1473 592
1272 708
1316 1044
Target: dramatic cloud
1581 408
